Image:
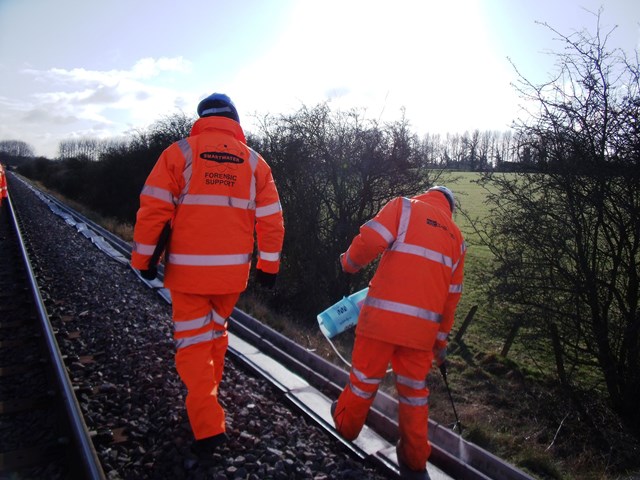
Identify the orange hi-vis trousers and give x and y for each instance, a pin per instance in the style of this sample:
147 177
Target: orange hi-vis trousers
200 333
370 360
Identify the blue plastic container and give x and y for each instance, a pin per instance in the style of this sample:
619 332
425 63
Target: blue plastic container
358 297
342 315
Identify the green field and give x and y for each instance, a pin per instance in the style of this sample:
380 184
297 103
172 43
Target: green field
471 200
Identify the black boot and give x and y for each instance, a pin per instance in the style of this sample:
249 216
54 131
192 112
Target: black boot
205 447
406 472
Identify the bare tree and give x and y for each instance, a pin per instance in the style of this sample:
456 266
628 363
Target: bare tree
171 128
16 148
567 239
334 171
87 148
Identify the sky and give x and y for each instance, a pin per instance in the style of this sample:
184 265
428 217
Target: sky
72 69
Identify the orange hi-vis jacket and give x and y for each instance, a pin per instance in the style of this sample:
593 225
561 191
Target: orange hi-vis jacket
3 183
414 293
215 190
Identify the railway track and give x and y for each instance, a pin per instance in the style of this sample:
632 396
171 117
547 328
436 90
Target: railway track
308 383
48 437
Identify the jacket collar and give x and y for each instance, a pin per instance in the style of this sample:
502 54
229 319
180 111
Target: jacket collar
207 124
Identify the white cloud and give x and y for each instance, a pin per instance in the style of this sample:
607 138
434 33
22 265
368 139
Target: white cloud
149 67
78 101
145 68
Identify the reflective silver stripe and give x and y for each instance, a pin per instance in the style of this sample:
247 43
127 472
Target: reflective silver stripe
188 166
423 252
455 288
405 215
414 401
403 308
360 393
253 163
209 111
351 263
144 249
442 336
269 256
381 230
203 337
364 379
196 323
217 318
275 207
218 201
159 193
209 260
463 248
411 383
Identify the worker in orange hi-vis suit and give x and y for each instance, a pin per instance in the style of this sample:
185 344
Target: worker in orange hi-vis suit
407 314
216 192
3 184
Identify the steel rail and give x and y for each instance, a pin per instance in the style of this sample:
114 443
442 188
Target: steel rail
90 466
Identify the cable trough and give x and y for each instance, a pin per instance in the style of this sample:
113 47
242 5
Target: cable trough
309 384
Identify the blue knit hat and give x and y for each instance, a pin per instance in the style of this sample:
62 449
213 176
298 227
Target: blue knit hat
218 104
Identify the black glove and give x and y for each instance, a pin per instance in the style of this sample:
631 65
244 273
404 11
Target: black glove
267 280
150 274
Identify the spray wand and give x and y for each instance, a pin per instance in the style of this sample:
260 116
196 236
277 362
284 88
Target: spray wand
443 371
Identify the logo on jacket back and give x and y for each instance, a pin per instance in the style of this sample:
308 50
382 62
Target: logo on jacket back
435 223
221 157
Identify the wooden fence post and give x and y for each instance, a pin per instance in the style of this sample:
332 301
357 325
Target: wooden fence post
465 324
512 335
